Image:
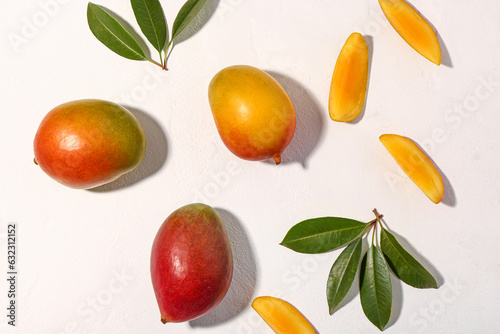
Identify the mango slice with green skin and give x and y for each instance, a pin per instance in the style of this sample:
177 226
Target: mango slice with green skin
349 80
415 164
281 316
413 28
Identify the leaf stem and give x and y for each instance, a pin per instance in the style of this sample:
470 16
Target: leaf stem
153 62
378 220
167 54
379 216
371 223
373 232
161 59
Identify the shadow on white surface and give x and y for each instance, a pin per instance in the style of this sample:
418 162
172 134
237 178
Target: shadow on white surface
309 126
449 197
422 260
397 300
195 26
312 325
154 158
240 293
369 44
198 22
445 55
397 290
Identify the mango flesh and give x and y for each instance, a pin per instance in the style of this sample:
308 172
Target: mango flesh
281 316
349 80
86 143
191 263
416 165
413 28
254 116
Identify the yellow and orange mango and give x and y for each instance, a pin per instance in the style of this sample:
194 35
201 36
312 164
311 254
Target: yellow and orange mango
415 164
349 80
254 115
281 316
413 28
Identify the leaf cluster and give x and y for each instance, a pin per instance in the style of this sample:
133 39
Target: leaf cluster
151 19
320 235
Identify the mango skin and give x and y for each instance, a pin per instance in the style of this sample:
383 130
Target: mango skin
87 143
191 263
254 116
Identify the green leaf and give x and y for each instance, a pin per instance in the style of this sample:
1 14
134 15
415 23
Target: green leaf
186 14
112 34
151 19
375 288
321 235
342 273
405 266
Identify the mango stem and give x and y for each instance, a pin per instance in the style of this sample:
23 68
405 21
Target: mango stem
277 159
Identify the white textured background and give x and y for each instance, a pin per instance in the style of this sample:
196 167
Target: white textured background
83 256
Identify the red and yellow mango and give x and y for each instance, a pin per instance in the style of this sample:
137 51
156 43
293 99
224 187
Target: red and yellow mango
87 143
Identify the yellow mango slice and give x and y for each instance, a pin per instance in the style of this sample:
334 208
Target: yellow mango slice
413 28
281 316
415 164
349 80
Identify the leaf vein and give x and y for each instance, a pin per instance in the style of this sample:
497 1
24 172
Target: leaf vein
116 36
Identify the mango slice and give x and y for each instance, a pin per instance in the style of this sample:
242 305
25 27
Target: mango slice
281 316
413 28
415 164
349 80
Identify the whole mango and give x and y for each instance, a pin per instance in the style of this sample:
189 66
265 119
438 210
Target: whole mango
87 143
254 115
191 263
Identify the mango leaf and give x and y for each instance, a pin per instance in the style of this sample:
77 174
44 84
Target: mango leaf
151 19
375 288
186 14
342 273
405 266
320 235
112 34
